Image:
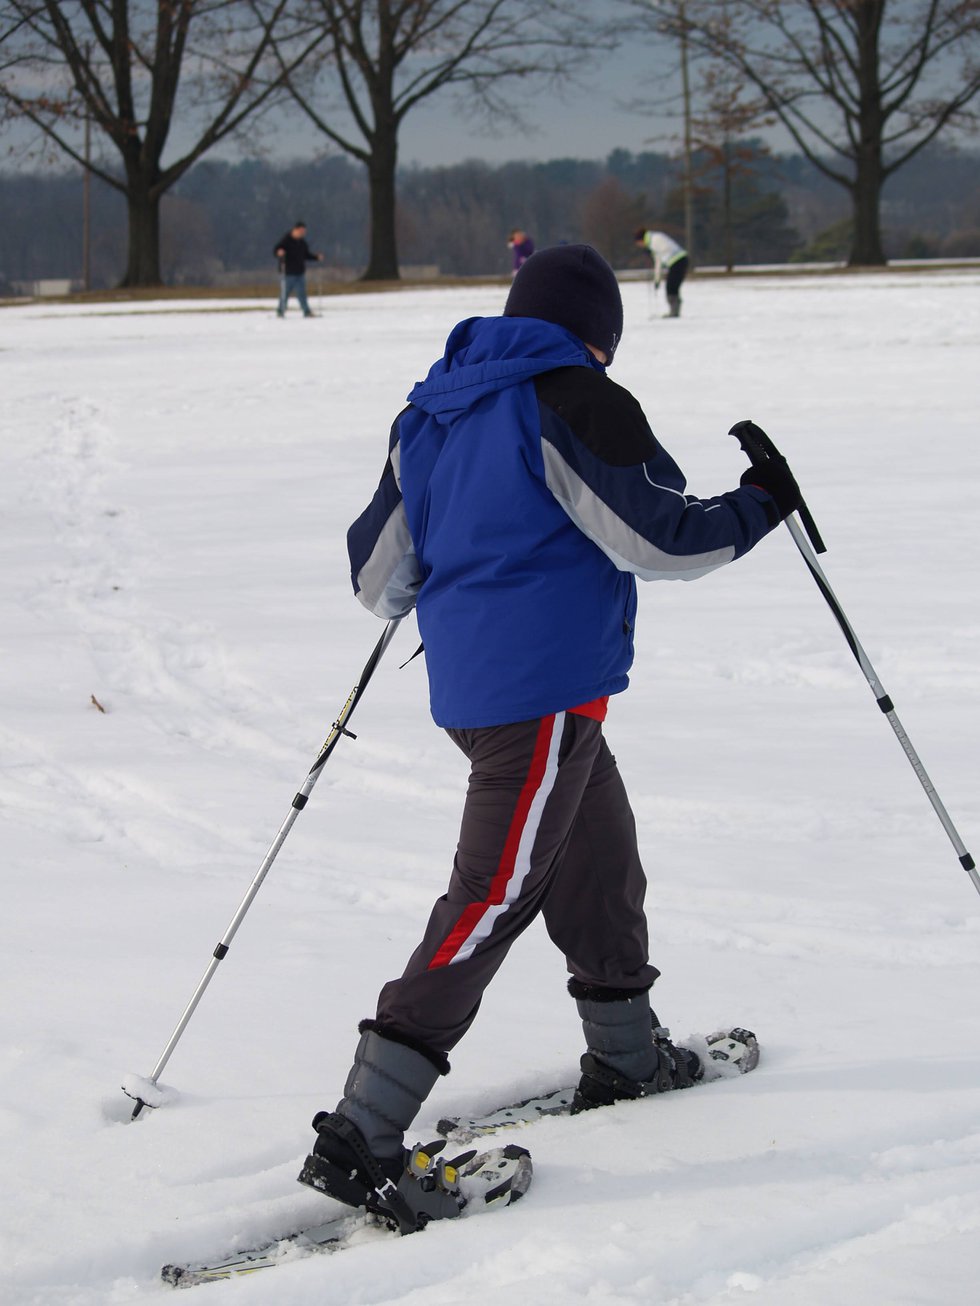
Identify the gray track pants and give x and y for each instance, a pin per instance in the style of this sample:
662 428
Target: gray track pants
547 827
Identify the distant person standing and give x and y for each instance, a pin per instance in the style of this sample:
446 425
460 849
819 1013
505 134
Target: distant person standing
293 254
521 246
667 257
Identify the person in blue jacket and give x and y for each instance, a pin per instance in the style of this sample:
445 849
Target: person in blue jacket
523 494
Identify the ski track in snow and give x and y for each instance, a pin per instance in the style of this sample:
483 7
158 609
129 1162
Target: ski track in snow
180 675
174 547
180 672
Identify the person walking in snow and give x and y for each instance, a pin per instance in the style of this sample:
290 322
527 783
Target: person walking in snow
667 257
521 246
293 254
522 495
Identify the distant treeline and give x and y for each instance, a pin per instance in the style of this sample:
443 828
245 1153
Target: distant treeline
221 222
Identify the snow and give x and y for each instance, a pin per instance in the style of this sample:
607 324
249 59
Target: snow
176 489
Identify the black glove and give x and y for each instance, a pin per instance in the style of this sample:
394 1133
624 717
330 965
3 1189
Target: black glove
774 476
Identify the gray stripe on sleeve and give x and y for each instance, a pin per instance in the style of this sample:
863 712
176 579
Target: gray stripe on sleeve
625 547
389 580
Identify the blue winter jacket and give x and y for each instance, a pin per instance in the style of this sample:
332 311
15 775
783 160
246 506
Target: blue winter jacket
523 493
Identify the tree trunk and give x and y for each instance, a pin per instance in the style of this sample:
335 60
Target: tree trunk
866 247
383 259
688 146
143 262
727 208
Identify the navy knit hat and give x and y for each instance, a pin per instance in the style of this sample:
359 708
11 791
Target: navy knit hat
574 287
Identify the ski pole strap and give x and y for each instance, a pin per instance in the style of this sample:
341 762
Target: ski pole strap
420 649
759 448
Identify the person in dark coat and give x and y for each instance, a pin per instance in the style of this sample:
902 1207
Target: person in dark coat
522 495
293 254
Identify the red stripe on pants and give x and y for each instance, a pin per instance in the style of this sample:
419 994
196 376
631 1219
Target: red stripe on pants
473 914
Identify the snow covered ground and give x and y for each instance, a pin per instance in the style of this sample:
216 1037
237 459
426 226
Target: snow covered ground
176 485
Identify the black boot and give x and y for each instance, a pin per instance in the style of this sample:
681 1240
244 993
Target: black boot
630 1054
359 1156
408 1190
601 1085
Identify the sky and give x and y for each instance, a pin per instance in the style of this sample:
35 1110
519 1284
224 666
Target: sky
628 98
599 110
586 117
587 120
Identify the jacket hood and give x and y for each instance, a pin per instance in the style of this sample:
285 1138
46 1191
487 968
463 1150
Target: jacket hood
486 354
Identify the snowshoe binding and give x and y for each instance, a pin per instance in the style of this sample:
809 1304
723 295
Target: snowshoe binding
601 1085
407 1191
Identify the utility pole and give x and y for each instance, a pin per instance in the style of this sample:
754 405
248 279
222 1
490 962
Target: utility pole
87 191
688 161
87 210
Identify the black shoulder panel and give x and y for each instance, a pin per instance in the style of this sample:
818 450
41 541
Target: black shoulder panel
600 413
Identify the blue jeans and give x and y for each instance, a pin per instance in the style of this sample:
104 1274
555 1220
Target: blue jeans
293 286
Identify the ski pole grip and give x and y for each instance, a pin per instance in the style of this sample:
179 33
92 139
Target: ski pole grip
759 447
754 441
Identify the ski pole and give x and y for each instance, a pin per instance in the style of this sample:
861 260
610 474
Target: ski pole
759 447
141 1089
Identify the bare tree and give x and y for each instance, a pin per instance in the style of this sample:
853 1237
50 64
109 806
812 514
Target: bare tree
718 113
610 215
135 69
860 85
719 131
672 20
388 56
